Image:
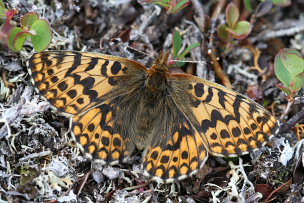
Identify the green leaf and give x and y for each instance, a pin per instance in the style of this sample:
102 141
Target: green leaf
177 43
281 3
185 52
248 6
188 49
298 82
222 32
43 36
2 10
2 14
11 36
20 38
28 19
180 5
241 30
164 4
232 15
285 89
289 68
2 4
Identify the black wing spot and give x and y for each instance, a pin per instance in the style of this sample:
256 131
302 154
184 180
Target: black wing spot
62 86
105 141
154 155
184 155
91 127
116 142
224 134
236 132
115 68
199 89
164 159
72 93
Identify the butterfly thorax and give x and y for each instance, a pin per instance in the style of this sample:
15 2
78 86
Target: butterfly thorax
158 74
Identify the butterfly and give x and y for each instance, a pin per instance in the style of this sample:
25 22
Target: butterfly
117 105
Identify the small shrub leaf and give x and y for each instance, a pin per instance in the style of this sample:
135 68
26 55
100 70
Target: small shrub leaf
281 3
180 5
289 68
2 4
188 49
28 19
222 32
163 4
177 43
20 38
2 10
248 6
241 30
232 15
43 35
11 36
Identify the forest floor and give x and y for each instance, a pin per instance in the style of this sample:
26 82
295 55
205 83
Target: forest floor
39 159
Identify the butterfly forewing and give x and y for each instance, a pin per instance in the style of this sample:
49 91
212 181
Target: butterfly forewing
74 82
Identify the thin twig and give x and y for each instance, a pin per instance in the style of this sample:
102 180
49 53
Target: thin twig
35 155
198 8
200 12
211 52
84 180
137 186
219 7
219 71
280 32
287 109
7 84
292 122
256 55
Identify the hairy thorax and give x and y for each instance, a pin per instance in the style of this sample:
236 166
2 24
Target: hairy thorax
151 108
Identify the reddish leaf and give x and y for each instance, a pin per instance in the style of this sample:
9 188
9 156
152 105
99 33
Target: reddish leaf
280 190
265 189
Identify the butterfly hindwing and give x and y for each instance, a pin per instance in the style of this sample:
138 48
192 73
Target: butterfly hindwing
99 135
178 153
229 123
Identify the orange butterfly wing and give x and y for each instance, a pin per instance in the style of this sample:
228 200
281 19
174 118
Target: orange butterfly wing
85 85
212 119
74 82
229 123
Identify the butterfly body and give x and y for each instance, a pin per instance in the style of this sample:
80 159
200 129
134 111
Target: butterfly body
118 105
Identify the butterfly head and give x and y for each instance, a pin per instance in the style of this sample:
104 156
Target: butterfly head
158 73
